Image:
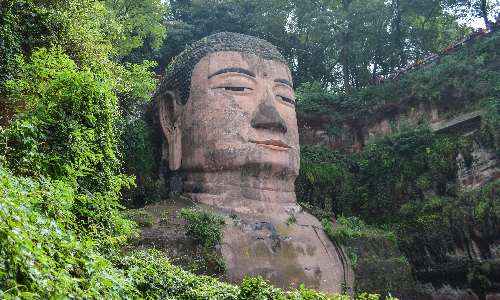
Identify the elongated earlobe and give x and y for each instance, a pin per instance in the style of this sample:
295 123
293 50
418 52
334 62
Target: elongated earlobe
172 128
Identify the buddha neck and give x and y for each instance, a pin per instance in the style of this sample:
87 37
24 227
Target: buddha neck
235 190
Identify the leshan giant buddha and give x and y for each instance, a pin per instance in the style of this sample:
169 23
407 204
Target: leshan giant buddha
227 109
230 122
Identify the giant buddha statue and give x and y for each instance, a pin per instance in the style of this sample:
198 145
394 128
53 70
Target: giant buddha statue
227 109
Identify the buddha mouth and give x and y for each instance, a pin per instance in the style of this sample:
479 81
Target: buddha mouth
273 144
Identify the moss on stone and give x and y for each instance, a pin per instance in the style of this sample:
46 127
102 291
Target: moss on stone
310 250
261 251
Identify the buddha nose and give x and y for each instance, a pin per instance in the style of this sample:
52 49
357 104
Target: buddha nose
267 116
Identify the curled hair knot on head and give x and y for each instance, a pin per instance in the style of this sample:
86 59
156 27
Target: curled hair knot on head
178 75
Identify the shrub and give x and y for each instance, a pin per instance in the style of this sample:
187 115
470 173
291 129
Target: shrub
290 220
43 254
204 226
66 130
156 278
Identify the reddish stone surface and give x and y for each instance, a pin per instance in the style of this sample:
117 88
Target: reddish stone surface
235 144
236 140
477 180
286 255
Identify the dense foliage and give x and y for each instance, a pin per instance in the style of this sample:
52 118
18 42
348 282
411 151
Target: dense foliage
140 144
43 252
204 226
469 73
388 175
337 43
74 97
65 129
401 169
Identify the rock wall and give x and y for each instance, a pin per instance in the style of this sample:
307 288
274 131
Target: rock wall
382 121
381 268
451 109
461 261
286 253
455 263
480 168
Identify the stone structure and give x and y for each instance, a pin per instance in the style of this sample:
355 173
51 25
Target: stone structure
233 130
482 168
227 110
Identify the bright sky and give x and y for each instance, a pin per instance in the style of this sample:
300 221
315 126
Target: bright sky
475 23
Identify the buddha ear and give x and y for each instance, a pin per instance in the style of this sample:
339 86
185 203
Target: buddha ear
171 125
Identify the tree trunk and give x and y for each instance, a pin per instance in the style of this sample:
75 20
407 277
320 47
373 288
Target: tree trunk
345 67
345 51
484 12
399 35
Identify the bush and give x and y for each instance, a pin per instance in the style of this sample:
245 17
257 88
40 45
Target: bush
204 226
141 159
387 174
66 130
41 256
156 278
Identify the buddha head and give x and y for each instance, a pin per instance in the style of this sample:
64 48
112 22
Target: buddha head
227 109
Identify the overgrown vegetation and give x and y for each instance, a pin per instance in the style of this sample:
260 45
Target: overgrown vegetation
203 225
389 175
73 136
404 187
45 253
141 148
465 73
355 228
65 130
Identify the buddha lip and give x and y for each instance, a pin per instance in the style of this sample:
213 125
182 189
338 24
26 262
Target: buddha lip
273 144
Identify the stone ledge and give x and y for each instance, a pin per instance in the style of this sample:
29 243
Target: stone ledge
455 121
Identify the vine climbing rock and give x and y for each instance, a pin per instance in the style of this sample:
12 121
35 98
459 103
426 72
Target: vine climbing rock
227 109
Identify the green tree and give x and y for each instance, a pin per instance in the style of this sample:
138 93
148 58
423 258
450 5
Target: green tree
137 21
66 129
476 8
190 21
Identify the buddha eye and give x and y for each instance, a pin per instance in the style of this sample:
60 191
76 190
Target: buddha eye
286 100
235 89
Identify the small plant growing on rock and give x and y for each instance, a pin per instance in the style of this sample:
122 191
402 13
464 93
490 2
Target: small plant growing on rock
234 216
141 217
292 219
221 265
166 217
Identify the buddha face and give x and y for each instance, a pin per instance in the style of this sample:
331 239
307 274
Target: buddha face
239 121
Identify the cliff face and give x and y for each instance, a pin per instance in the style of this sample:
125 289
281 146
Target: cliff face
457 260
454 248
354 134
451 107
381 268
474 169
481 167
